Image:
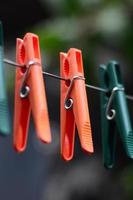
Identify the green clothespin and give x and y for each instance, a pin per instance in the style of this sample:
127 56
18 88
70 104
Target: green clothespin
114 114
4 111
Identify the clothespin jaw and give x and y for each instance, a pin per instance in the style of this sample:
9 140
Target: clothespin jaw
29 93
110 79
74 105
4 109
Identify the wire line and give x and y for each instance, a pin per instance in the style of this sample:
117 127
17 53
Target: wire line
10 62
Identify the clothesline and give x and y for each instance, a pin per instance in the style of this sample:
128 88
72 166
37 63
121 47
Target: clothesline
10 62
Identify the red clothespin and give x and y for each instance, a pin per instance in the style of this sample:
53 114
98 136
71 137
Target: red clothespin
29 93
74 105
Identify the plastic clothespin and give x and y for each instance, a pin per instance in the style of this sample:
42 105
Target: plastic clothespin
114 114
29 93
4 109
74 105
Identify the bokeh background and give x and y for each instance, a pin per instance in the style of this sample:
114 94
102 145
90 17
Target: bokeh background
103 30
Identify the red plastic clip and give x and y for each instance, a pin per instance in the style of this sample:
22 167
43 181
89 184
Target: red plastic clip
29 93
74 105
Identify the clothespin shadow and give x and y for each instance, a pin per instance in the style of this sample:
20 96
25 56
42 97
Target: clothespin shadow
5 128
74 105
30 93
114 114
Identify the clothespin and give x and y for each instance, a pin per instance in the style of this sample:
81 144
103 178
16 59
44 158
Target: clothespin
29 93
114 114
74 105
4 109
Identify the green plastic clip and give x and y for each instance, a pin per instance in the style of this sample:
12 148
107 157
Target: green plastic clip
4 111
114 114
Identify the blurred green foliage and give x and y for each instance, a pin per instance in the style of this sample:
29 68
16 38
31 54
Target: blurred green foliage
97 27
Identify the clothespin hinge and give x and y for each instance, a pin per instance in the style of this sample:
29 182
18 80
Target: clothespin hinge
24 89
69 101
110 113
